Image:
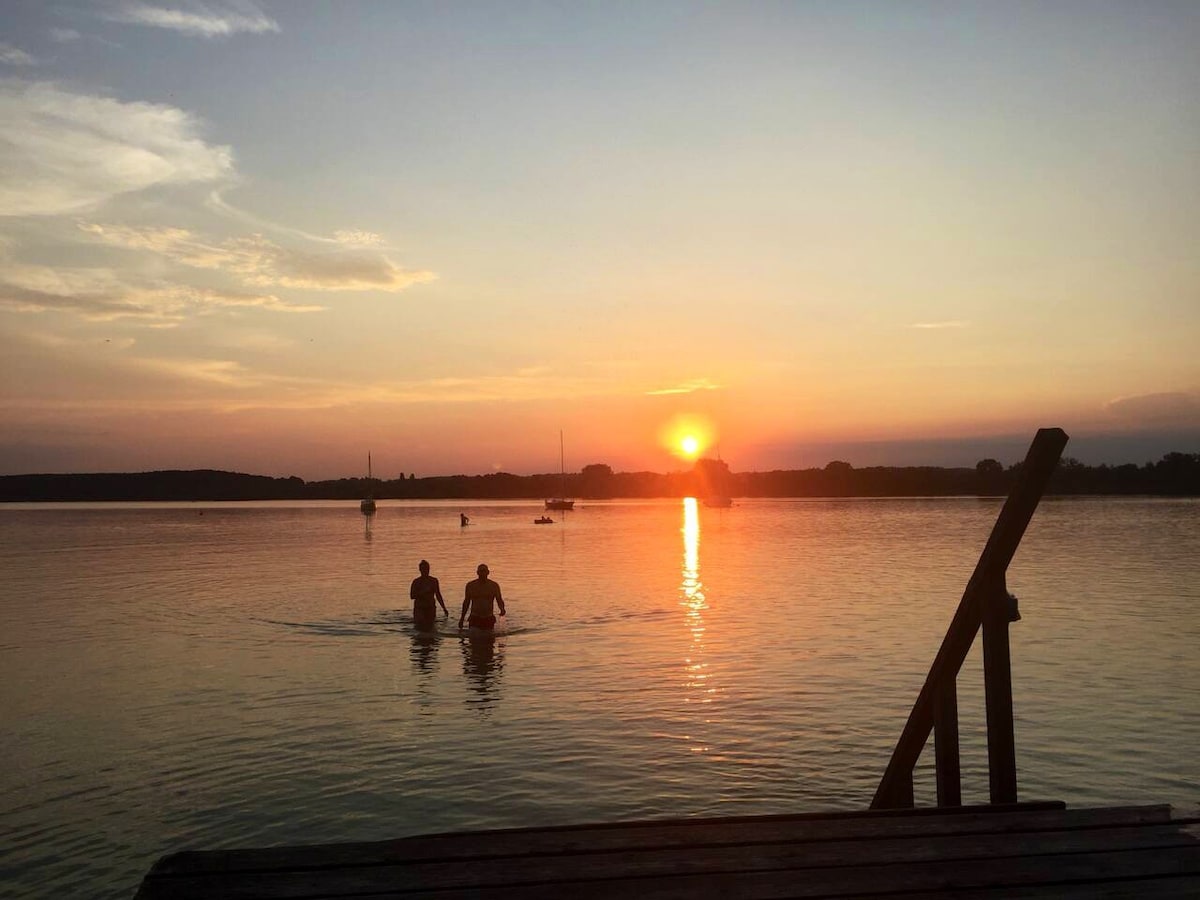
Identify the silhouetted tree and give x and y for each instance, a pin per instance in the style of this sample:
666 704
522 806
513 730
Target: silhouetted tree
989 477
596 480
989 468
1176 474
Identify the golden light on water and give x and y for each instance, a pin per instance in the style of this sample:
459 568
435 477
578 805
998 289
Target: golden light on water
691 590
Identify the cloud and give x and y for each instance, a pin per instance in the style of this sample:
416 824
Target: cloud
15 56
349 236
58 341
98 295
64 35
358 238
216 371
259 261
1167 408
65 152
688 387
950 324
208 20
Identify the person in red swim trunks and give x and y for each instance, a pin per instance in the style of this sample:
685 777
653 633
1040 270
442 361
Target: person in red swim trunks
479 597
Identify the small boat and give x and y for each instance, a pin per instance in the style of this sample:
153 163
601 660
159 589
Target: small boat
367 506
719 484
543 520
560 502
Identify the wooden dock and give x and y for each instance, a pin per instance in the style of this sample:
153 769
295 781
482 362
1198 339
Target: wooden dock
1032 850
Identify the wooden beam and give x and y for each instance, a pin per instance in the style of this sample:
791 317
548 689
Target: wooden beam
945 745
997 688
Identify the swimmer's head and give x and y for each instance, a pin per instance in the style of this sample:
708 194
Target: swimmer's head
482 571
424 567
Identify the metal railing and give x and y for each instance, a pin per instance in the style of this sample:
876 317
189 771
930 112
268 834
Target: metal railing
987 603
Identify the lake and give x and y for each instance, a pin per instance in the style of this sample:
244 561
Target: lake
217 675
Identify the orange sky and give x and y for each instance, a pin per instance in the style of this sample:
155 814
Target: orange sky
274 238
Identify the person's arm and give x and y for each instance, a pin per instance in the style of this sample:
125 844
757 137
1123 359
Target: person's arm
463 615
412 590
437 592
500 600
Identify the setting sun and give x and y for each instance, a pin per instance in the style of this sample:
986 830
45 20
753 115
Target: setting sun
686 435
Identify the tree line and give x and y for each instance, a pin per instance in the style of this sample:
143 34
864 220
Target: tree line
1176 474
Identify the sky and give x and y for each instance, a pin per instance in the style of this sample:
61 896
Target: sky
274 237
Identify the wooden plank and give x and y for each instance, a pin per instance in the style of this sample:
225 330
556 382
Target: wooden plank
1043 456
674 862
925 878
686 832
1154 888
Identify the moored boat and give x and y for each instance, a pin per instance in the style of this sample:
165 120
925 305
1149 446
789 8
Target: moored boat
560 502
367 505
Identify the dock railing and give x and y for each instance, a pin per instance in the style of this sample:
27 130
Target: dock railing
987 603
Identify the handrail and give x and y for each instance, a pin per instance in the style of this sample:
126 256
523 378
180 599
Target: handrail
985 602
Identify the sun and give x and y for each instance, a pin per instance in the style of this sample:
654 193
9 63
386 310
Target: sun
686 435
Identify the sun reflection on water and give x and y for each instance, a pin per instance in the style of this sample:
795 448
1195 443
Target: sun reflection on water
691 597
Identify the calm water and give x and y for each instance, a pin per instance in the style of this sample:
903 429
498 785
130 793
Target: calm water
212 675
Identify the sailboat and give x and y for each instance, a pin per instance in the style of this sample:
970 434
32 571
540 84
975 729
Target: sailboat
719 499
560 502
367 506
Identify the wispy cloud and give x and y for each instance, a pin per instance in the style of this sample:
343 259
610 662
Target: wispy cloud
52 340
952 323
358 238
64 35
199 19
259 261
216 371
1166 408
66 152
349 236
15 56
98 295
688 387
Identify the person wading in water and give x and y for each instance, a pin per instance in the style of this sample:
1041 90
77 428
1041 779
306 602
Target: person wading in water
479 597
424 592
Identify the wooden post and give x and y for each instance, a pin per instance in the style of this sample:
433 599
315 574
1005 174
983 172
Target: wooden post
997 687
945 745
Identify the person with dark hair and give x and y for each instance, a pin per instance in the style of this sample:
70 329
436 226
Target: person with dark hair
425 592
480 595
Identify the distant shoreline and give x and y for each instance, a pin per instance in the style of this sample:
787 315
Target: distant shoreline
1175 475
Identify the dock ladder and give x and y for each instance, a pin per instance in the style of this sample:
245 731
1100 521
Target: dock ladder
985 603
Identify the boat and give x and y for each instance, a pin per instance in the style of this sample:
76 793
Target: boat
718 482
367 506
543 520
560 502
